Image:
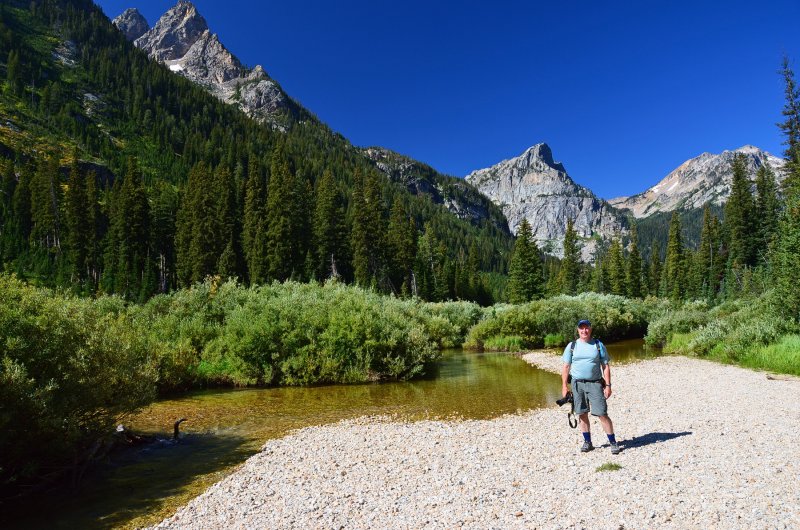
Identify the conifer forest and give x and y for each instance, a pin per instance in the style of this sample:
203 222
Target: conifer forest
154 239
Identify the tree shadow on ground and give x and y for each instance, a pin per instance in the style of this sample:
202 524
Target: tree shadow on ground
651 438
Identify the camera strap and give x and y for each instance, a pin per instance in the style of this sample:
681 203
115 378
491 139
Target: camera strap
572 420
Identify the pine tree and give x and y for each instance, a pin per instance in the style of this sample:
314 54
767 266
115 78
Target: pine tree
569 275
368 232
402 246
784 267
14 74
600 279
673 275
476 289
78 225
254 224
21 208
708 260
198 234
282 205
46 205
616 268
166 201
740 217
329 228
302 227
132 227
767 212
654 270
430 266
228 263
526 281
633 273
791 129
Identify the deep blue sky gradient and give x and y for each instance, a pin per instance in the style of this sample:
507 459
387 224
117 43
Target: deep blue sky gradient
623 92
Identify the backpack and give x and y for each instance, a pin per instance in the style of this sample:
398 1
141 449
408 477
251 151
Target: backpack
572 347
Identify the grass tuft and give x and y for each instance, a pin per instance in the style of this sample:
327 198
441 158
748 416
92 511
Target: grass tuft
609 466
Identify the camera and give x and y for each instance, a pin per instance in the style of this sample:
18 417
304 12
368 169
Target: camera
564 400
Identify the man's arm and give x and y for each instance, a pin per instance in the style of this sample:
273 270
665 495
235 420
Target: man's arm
564 376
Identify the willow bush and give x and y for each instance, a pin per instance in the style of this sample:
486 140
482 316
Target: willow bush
613 318
69 369
295 334
750 332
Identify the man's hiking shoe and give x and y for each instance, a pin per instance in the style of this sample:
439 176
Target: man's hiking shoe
587 446
615 449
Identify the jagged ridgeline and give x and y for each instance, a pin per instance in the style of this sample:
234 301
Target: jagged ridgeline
121 176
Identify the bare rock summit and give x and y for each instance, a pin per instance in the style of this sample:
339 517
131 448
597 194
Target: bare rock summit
704 179
535 187
131 23
182 40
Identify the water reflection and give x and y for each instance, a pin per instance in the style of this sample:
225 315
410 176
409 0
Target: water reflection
224 427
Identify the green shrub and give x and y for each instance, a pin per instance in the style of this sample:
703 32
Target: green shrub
613 318
744 331
295 334
70 368
554 340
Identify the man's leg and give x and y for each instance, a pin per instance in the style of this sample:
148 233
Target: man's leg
587 434
608 427
605 421
584 420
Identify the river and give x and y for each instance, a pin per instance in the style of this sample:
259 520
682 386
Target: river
141 486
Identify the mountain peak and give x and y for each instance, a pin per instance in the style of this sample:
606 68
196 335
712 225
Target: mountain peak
182 40
539 153
700 180
533 186
749 150
131 23
174 33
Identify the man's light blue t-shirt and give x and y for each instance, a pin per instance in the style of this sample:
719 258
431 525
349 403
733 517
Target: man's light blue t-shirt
585 361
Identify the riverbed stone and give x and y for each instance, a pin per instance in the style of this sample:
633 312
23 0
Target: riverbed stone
704 446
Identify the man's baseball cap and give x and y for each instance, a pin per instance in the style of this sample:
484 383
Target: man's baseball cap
584 323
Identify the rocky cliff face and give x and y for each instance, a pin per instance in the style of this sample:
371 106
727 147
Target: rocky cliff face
533 186
182 40
131 23
703 179
458 196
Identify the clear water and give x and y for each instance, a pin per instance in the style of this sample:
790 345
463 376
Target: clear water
141 486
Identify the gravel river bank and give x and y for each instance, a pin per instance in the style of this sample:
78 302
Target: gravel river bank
704 446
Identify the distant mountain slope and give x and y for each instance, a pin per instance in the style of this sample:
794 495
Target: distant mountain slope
533 186
182 40
457 195
703 179
81 88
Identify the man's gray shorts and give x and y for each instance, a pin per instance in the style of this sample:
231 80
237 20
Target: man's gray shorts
589 396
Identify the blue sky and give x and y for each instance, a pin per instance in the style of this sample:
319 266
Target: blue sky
623 92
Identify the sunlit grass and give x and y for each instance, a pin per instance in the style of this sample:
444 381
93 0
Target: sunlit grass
783 356
502 343
608 466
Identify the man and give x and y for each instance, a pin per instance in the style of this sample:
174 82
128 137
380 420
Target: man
586 360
